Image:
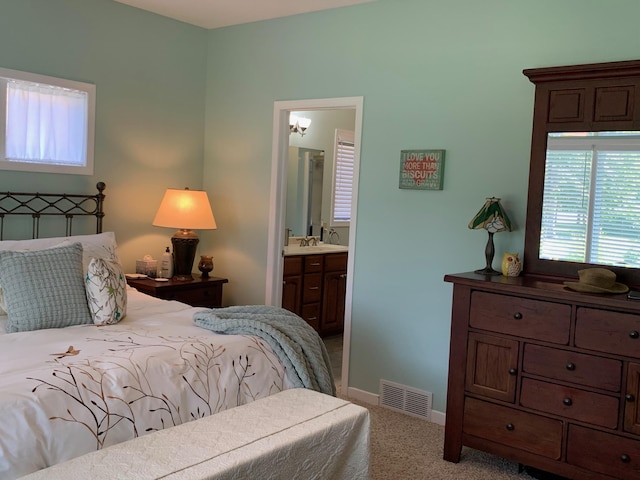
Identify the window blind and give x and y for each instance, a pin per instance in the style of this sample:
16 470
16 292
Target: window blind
585 178
343 177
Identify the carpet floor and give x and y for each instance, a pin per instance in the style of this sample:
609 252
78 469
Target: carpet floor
408 448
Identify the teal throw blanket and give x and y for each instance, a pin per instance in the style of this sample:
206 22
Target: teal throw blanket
294 341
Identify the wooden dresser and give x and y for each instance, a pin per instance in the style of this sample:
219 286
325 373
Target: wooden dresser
544 376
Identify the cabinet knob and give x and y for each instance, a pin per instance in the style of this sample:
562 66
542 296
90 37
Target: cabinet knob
629 398
517 316
625 458
634 334
343 275
571 366
510 427
513 371
567 401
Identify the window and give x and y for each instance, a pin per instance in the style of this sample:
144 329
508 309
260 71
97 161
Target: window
46 123
343 178
592 176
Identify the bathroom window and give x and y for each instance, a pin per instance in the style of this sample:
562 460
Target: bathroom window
343 178
46 123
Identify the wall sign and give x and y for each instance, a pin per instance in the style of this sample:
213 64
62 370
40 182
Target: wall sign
421 169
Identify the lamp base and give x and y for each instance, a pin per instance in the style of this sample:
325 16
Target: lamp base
185 243
487 271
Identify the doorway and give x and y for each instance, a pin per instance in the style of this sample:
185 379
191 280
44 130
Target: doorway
277 210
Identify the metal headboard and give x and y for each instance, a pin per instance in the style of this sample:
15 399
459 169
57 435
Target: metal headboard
52 204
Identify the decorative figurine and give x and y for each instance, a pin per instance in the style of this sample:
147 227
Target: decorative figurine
511 265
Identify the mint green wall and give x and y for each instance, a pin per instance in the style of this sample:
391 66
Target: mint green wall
149 73
433 74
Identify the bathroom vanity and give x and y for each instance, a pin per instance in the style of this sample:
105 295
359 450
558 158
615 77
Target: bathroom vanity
314 285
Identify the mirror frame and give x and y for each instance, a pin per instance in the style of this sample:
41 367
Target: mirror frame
575 98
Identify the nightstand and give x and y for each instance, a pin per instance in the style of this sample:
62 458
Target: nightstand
199 292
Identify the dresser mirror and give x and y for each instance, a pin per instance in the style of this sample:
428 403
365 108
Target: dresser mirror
583 205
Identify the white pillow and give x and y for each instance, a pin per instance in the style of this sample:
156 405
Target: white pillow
99 245
106 291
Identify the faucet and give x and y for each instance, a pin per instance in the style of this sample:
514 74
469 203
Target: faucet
309 241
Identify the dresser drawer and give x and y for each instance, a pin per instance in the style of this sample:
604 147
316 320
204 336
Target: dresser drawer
522 317
611 332
516 429
581 405
312 288
604 453
579 368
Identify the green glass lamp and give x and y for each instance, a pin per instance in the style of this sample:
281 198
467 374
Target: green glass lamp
493 219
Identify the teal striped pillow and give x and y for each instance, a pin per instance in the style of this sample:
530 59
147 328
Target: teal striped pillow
44 288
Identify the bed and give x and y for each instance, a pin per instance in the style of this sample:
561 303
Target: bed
87 362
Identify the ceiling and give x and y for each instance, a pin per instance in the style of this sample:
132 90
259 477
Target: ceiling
221 13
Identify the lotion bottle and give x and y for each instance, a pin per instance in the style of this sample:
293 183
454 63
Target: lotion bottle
166 264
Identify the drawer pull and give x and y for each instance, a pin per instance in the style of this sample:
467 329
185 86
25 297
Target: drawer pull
314 288
517 316
625 458
315 264
571 366
629 398
634 334
567 401
312 318
510 427
513 371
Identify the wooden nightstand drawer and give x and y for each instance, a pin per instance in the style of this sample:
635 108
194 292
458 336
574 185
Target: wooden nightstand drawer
606 331
568 402
199 292
604 453
522 317
573 367
196 297
526 431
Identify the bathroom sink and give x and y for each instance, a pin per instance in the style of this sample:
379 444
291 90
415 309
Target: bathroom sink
315 249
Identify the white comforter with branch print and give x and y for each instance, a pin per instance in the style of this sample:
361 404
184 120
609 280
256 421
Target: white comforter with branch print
65 392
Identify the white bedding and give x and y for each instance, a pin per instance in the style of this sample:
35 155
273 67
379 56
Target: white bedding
295 434
68 391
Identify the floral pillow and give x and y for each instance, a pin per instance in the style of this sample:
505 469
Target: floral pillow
106 291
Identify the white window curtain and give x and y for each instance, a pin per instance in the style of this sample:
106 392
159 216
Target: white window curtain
344 154
46 124
587 178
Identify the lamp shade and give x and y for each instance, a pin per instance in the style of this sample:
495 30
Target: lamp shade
491 217
185 209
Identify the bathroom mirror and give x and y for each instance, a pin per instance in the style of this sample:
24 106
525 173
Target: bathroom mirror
305 184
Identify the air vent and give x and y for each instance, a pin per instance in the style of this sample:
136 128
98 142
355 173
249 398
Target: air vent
405 399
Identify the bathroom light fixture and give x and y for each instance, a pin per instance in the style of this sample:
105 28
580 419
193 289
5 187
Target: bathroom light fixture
493 219
186 210
298 124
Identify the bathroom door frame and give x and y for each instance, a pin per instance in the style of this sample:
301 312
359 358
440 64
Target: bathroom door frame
277 207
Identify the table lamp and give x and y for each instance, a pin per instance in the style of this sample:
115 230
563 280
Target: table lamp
186 210
493 219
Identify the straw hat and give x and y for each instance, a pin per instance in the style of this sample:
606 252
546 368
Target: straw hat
597 280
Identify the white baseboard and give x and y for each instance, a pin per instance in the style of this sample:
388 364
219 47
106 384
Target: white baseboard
437 417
